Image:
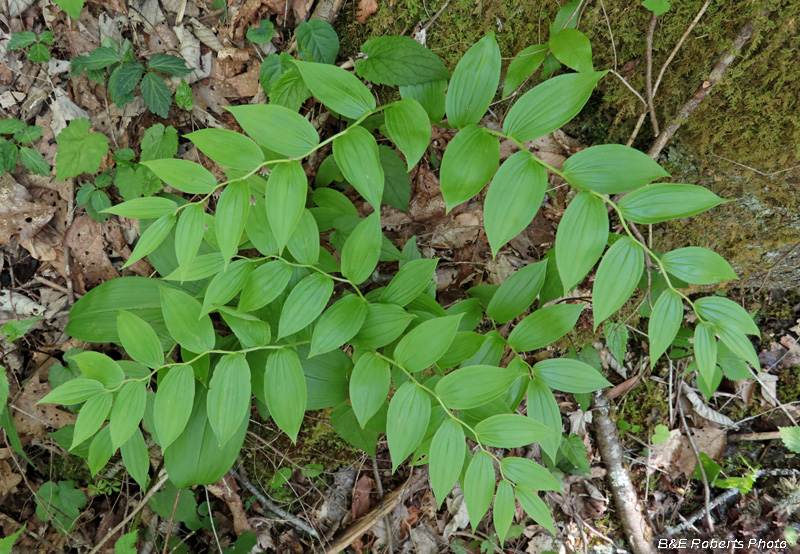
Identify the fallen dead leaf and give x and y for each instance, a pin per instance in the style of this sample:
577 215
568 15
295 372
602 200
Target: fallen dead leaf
33 420
227 489
8 479
88 247
361 500
20 215
675 455
365 8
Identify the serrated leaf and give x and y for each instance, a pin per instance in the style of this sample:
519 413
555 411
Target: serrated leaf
338 324
39 53
317 41
356 154
173 404
581 238
125 78
228 148
78 150
72 7
127 412
34 161
21 40
139 340
305 303
474 83
339 90
569 375
285 391
446 458
184 98
228 401
171 65
399 61
791 438
286 190
406 421
272 68
409 128
468 164
159 142
362 249
289 90
156 94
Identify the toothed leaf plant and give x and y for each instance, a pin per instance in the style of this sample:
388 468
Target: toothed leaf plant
250 307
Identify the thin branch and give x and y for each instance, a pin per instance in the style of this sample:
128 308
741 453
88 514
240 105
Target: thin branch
649 83
706 484
633 90
672 54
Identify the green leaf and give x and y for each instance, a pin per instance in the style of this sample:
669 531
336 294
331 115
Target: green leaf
409 128
184 97
658 7
232 210
73 392
228 401
264 285
317 41
573 49
8 542
406 421
569 375
287 188
126 544
78 150
305 303
135 458
34 161
185 322
362 249
384 323
263 33
161 142
29 134
3 387
304 241
92 415
173 404
127 412
60 502
698 266
617 277
581 238
171 65
478 486
542 407
156 94
511 431
523 66
514 197
99 367
504 508
339 90
16 329
529 474
737 342
468 164
664 201
446 458
430 96
791 438
151 238
338 324
251 331
72 7
39 53
285 391
544 326
413 278
186 176
226 284
474 83
139 340
356 154
717 309
474 386
611 169
228 148
617 339
11 126
188 236
664 323
369 386
705 351
125 78
517 293
397 182
289 90
399 61
426 343
21 40
535 508
144 208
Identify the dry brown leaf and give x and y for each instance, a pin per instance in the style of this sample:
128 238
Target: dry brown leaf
20 215
675 455
366 8
227 489
35 420
8 479
88 247
361 499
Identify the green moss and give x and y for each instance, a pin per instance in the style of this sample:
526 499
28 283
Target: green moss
71 468
646 406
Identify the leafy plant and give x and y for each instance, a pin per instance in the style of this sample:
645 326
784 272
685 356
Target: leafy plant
17 328
36 45
60 502
12 150
273 325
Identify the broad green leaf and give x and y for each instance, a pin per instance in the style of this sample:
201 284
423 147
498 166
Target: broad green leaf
228 400
261 34
409 128
426 343
184 98
581 238
430 96
34 161
717 309
737 342
406 421
523 66
664 201
285 391
542 407
474 386
356 153
369 386
611 169
232 209
21 40
226 284
228 148
544 326
511 431
514 197
277 128
100 451
303 243
188 327
251 331
535 508
569 375
7 543
305 303
465 345
698 266
156 94
468 164
338 324
617 277
362 249
72 7
394 60
73 392
79 151
384 323
91 416
446 458
125 78
550 105
189 236
317 41
264 284
127 412
658 7
287 187
202 266
397 182
705 352
171 65
413 278
573 49
664 323
289 90
139 340
151 238
517 293
474 83
173 404
791 438
159 142
617 337
99 367
504 508
529 474
186 176
338 89
478 486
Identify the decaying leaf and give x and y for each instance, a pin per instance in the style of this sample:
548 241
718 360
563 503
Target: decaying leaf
366 8
675 455
20 215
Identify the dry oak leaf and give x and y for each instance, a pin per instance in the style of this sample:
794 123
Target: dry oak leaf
35 420
366 8
19 214
676 457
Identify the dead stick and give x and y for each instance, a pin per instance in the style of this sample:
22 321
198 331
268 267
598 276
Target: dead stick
636 529
649 82
768 436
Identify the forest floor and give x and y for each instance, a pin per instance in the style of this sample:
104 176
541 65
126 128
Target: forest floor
52 251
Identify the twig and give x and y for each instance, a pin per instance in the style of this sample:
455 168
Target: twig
767 436
211 519
70 216
637 530
387 520
672 54
649 82
172 518
55 286
633 90
706 484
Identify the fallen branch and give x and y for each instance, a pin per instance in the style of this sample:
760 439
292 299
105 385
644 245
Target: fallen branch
636 528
